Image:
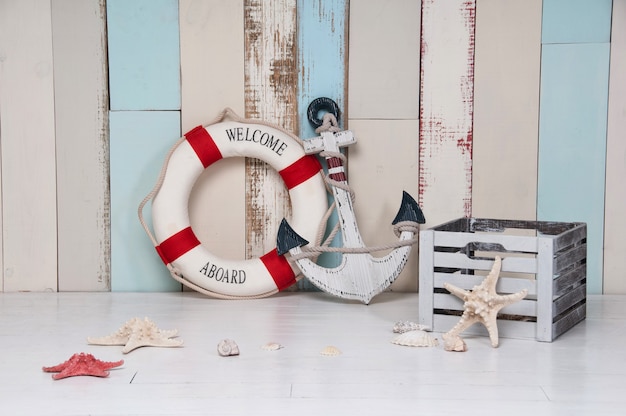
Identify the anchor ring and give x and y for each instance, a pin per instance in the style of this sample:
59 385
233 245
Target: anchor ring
319 104
176 242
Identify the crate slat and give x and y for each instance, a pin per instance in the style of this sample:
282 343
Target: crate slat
509 242
452 303
568 321
506 329
468 281
461 261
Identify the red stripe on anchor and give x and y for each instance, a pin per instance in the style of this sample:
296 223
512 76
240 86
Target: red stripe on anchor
204 146
178 244
279 268
300 171
335 162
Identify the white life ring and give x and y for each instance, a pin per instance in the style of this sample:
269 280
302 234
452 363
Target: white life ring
176 242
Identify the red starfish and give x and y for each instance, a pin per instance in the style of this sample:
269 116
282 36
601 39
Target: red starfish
82 365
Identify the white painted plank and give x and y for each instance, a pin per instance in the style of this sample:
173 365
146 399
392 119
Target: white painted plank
28 146
212 70
446 106
383 163
506 109
615 220
81 115
384 59
270 95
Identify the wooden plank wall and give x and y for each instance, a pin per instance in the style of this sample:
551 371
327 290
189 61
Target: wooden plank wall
573 119
144 82
615 220
29 228
522 106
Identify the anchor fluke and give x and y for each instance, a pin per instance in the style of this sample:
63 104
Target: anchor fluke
288 238
409 210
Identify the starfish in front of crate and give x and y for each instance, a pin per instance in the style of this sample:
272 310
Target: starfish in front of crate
82 364
481 305
137 333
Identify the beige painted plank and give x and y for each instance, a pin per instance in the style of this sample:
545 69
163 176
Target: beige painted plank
270 95
615 220
506 109
384 59
81 114
28 146
212 73
446 108
383 163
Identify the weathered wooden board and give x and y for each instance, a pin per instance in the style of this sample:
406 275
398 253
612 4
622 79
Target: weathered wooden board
144 61
322 72
384 110
506 109
572 128
144 65
81 115
615 220
29 225
446 109
271 80
384 60
139 142
211 54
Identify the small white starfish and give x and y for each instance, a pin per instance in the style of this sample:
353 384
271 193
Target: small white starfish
482 305
137 333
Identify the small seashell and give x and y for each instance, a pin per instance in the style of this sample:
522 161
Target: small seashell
227 347
453 343
405 326
417 338
330 351
271 346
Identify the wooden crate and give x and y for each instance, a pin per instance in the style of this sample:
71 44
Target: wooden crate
547 258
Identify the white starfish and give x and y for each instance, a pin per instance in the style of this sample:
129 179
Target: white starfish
482 305
137 333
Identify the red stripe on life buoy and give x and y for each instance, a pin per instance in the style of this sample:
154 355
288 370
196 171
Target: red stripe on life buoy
279 268
177 245
300 171
204 146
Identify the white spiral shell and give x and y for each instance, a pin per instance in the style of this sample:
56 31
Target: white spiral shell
227 347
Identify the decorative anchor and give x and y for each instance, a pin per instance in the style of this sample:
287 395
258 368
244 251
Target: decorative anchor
360 275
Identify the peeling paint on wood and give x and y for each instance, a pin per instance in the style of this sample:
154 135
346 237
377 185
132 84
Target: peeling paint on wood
446 109
271 95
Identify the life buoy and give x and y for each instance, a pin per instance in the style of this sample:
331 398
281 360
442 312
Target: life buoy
177 244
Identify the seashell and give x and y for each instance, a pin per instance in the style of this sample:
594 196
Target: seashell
330 351
227 347
405 326
453 343
417 338
271 346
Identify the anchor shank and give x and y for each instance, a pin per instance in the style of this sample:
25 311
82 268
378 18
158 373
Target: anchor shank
349 230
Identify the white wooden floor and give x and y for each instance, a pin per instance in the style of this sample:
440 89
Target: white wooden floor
582 373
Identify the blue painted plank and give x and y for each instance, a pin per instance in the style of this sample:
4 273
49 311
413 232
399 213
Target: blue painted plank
576 21
572 142
139 142
322 73
144 54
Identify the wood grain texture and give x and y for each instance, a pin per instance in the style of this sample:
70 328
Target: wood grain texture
28 147
271 79
81 115
615 220
506 109
446 109
144 64
212 68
